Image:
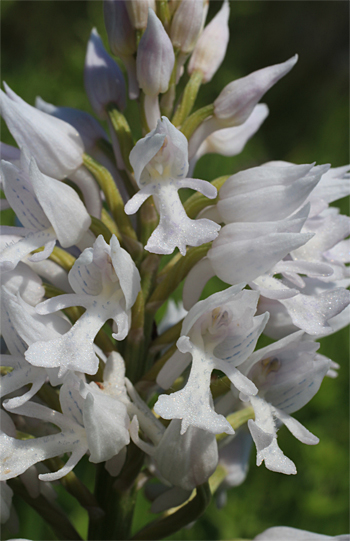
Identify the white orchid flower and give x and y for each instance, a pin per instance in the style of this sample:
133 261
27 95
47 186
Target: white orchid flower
219 333
287 374
91 421
48 209
160 162
106 282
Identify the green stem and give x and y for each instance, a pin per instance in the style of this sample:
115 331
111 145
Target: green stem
188 98
163 12
193 121
99 228
115 203
123 133
176 274
50 512
62 258
163 527
117 498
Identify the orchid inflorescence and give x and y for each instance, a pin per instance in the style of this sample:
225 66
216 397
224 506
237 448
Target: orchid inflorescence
86 370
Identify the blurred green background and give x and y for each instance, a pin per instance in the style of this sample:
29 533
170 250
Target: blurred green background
43 47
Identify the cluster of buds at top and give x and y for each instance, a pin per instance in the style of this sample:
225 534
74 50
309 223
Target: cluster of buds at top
83 277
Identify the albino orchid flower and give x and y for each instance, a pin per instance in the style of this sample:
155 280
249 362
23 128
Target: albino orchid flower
184 460
21 327
288 374
219 333
48 209
106 282
91 421
160 164
244 251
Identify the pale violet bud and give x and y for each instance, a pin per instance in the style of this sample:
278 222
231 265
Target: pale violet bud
155 58
120 32
55 145
104 81
86 125
122 39
210 49
138 12
186 25
237 100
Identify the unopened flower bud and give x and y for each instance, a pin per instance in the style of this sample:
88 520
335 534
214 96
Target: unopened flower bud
104 81
120 31
186 25
86 125
56 145
138 12
237 100
211 47
155 58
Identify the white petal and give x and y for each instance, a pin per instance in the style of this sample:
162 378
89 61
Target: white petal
21 196
126 271
55 145
13 253
195 282
62 206
297 429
